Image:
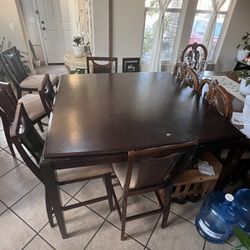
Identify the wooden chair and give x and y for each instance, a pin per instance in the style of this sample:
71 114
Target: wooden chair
109 67
217 96
131 64
193 56
152 170
179 71
16 72
25 136
47 94
191 79
8 103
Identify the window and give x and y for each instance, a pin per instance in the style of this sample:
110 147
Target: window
171 22
208 23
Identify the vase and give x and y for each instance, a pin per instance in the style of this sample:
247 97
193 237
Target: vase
244 90
78 51
242 54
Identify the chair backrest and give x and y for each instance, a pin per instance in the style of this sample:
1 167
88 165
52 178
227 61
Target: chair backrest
13 65
179 71
47 94
131 64
25 137
155 166
194 56
220 98
191 78
8 101
110 65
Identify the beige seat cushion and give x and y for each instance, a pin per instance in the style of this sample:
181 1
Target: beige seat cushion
83 172
120 169
33 106
35 81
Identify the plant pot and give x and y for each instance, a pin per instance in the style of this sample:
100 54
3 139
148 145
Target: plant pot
37 63
78 51
244 90
242 54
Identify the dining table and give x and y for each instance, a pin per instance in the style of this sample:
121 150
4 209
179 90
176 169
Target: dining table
98 118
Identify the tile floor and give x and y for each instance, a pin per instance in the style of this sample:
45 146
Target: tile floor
24 223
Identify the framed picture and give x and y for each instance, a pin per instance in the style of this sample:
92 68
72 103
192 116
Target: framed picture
131 64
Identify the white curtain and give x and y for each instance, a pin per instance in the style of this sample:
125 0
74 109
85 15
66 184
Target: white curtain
217 4
155 63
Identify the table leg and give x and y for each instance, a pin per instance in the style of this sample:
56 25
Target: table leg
54 197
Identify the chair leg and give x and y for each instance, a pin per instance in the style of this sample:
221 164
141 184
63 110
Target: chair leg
40 125
123 217
166 206
49 210
7 136
108 184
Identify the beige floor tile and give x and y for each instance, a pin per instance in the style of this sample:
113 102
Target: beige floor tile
81 225
179 234
109 237
38 244
210 246
1 124
32 207
17 155
2 208
16 183
73 188
151 196
140 229
95 188
3 142
232 240
188 211
7 162
14 233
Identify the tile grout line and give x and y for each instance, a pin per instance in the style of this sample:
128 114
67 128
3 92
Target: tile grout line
12 169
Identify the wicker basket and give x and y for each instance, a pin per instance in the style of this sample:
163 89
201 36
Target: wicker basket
192 182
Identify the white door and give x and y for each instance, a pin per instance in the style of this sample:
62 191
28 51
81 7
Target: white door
56 27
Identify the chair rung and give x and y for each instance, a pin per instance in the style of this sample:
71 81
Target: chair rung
84 203
138 216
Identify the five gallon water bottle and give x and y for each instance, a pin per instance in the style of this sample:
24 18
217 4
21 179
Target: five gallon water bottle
217 217
242 201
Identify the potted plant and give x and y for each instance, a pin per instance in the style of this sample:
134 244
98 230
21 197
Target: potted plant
244 48
78 46
244 239
245 82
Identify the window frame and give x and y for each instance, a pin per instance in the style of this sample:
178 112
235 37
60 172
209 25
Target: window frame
182 12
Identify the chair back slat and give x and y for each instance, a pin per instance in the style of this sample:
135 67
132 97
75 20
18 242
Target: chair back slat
191 78
155 165
8 101
47 94
25 137
13 65
109 67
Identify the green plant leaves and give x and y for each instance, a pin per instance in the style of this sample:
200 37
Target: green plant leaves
242 236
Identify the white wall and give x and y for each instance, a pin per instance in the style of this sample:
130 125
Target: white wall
128 25
10 26
101 27
238 26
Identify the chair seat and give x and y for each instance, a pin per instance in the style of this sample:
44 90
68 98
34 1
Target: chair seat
70 174
245 156
33 106
120 169
34 81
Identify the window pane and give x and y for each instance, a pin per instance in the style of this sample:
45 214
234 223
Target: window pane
199 27
152 3
150 22
176 4
225 6
205 5
216 34
171 21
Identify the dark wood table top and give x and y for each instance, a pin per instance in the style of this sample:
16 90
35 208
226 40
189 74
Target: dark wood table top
113 113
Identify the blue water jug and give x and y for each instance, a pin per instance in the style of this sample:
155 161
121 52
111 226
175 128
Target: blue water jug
242 200
217 217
